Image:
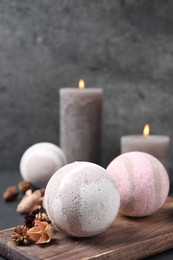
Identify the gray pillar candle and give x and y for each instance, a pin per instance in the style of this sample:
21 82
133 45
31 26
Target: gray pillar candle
80 123
156 145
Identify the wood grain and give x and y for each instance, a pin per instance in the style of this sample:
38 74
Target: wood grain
127 238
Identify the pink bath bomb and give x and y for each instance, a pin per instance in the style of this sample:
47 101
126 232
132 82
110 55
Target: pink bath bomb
142 181
81 199
40 161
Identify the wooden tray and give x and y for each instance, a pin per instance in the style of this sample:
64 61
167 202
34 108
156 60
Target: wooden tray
127 238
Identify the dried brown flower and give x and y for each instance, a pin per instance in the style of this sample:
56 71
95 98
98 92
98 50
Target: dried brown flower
24 185
41 233
43 217
10 193
30 218
20 236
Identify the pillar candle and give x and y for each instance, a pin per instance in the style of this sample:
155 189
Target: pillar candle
80 123
156 145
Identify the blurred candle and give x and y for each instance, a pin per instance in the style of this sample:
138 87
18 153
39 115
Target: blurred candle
80 123
156 145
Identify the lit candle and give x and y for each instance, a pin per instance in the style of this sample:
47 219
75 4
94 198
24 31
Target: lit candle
156 145
80 123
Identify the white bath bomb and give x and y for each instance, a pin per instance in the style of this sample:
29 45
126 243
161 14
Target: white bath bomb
81 199
142 181
40 161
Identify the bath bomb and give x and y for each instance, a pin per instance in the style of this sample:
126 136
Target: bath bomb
142 181
81 199
40 161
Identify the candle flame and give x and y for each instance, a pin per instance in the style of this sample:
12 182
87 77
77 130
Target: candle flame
81 84
146 130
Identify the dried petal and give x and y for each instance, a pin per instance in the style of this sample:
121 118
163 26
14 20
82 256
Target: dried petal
46 236
41 224
43 239
28 192
34 233
29 201
38 193
41 233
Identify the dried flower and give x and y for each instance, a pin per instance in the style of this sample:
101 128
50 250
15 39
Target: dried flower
20 236
43 217
24 185
30 202
10 193
30 218
41 233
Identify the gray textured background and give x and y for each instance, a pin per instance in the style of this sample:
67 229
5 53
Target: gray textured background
123 46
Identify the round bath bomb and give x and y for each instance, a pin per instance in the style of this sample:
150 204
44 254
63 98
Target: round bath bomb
40 161
81 199
142 181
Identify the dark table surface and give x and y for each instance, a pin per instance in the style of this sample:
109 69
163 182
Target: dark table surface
10 218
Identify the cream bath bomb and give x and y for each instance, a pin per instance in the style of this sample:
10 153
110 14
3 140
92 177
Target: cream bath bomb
40 161
142 181
81 199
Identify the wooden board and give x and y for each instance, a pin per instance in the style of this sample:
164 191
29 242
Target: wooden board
127 238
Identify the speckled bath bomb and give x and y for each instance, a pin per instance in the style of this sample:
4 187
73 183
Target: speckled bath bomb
142 181
40 161
81 199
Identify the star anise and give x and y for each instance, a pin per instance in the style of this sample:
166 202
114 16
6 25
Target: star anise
20 236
